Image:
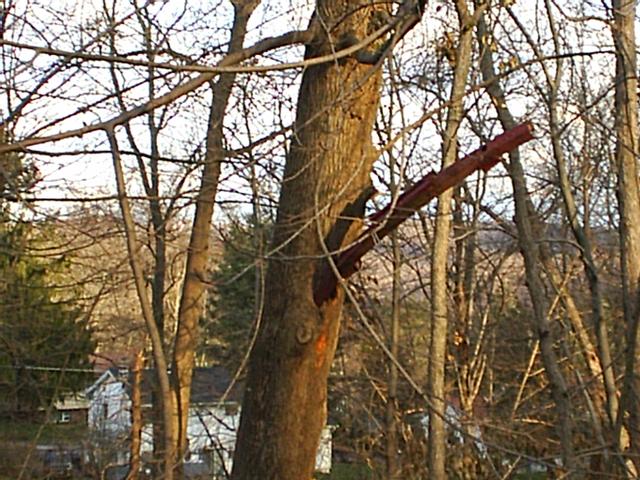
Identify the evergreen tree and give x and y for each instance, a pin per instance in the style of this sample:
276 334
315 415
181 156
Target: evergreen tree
43 336
233 301
17 175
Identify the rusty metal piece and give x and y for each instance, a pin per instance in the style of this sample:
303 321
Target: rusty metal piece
430 186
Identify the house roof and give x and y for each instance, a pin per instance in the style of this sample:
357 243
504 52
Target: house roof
208 385
103 361
110 375
72 401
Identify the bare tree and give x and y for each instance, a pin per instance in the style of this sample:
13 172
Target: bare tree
198 256
439 259
326 183
626 126
530 251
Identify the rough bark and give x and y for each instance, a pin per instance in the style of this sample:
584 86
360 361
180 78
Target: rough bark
531 256
626 126
194 286
326 172
439 264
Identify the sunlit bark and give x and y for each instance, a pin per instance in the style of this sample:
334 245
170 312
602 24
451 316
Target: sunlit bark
626 125
439 257
198 256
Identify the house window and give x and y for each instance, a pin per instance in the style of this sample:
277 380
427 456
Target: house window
64 417
105 411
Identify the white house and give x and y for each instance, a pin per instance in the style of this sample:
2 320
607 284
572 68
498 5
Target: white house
212 424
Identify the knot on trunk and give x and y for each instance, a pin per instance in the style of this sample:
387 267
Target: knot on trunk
304 334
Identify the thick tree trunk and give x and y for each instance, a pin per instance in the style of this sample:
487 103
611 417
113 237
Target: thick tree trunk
626 103
439 263
194 287
326 173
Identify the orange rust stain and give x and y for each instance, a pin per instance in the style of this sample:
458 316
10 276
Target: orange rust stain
321 348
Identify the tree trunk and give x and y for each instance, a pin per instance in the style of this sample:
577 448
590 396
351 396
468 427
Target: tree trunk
626 125
531 256
605 386
605 391
194 287
393 468
136 418
150 179
439 264
159 357
324 189
607 375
